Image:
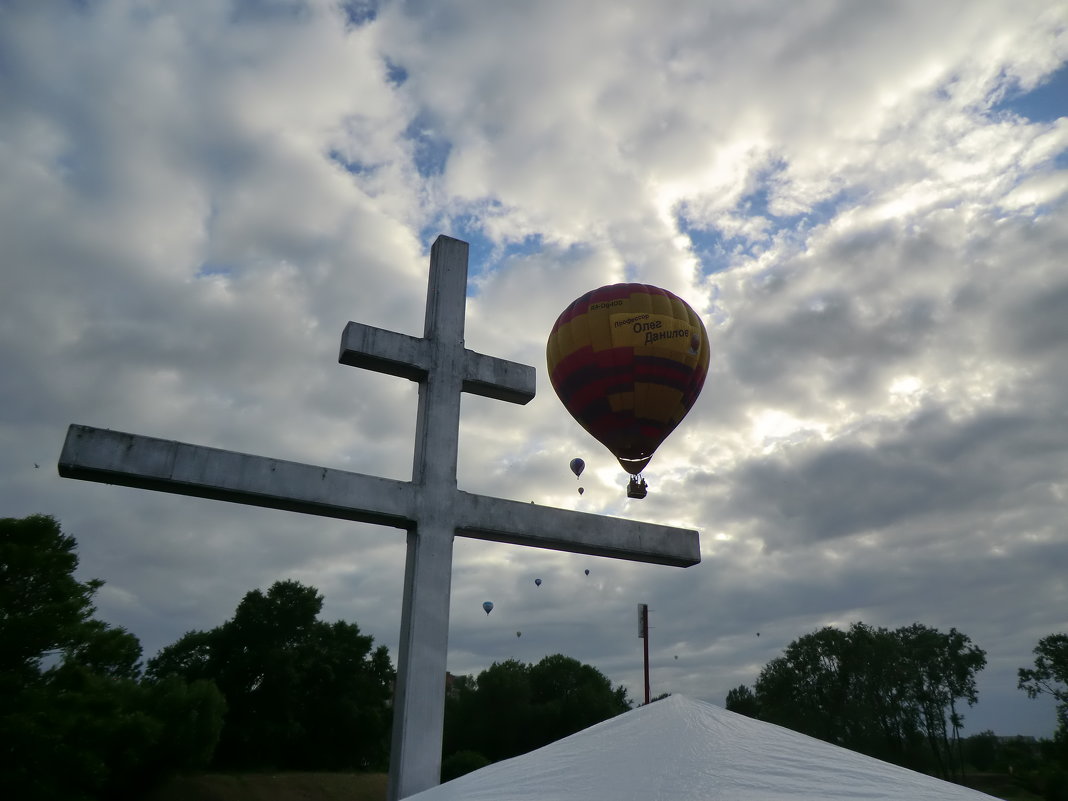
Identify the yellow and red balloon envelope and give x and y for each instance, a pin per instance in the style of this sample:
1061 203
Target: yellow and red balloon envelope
628 361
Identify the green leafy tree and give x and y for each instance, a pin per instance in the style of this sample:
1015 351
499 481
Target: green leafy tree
1049 676
118 737
981 750
895 695
87 725
465 729
807 688
106 651
43 608
743 701
503 711
940 670
568 696
514 707
301 693
461 763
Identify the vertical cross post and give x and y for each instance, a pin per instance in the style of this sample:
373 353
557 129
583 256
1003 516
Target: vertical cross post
418 723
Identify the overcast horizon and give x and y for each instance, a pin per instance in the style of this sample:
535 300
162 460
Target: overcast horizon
866 204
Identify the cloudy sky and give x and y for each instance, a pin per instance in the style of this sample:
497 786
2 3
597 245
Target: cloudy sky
866 203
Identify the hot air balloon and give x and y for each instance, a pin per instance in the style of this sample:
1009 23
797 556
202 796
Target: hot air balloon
587 571
488 606
581 490
628 361
577 466
519 634
537 582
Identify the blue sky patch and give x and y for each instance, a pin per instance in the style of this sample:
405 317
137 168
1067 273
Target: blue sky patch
485 255
210 269
250 11
359 12
1045 103
717 251
395 73
430 149
358 168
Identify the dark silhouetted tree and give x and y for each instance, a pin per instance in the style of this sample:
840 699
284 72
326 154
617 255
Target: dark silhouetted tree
513 707
807 688
742 700
568 696
1049 676
981 750
43 608
77 721
301 693
895 695
461 763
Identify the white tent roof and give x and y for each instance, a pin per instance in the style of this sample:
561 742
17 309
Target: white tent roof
679 749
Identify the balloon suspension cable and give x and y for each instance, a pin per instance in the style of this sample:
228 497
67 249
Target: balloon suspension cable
636 487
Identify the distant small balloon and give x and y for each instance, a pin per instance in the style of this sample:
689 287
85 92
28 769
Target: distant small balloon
758 633
537 582
519 634
587 571
581 490
577 466
488 606
676 657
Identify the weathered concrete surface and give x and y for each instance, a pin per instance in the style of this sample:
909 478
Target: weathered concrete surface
132 460
410 357
384 351
485 518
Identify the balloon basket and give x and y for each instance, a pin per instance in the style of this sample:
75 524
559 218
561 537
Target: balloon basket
637 488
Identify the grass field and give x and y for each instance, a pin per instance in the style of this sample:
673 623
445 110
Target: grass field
1001 785
372 787
274 787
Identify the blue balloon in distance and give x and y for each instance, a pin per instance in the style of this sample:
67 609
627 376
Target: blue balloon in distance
577 466
537 582
488 606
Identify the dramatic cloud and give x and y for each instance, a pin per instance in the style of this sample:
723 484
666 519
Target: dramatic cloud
867 204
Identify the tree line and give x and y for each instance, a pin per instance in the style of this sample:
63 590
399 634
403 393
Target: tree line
275 687
272 688
78 720
81 717
899 695
513 707
301 694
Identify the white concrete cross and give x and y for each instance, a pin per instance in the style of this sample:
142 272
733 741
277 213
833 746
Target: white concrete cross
430 507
